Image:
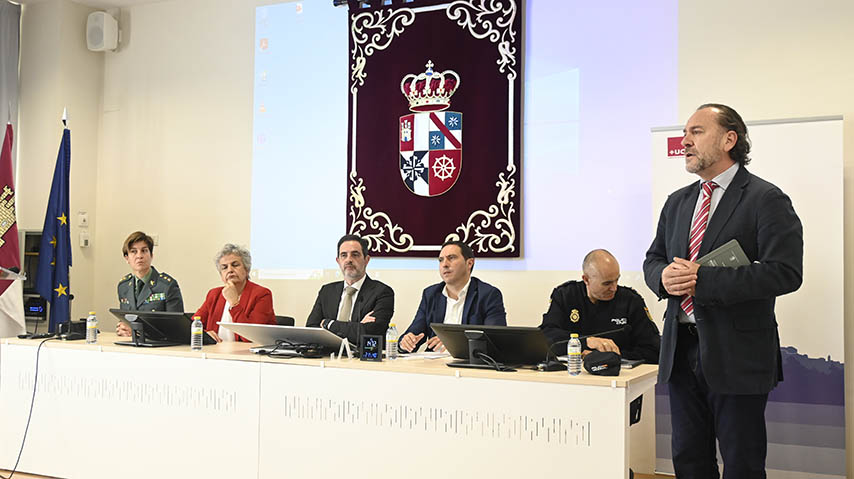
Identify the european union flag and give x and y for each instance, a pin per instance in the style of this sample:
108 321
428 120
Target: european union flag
55 249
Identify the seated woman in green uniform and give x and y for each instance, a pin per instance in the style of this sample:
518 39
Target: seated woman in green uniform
145 288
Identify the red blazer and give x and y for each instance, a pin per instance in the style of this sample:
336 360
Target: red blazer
256 306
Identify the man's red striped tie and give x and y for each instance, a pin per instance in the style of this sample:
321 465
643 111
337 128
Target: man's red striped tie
698 230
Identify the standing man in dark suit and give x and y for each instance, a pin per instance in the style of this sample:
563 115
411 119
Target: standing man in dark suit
459 299
720 352
358 305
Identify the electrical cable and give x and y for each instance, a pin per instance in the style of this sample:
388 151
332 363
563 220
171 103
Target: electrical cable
300 348
30 415
492 362
552 351
625 329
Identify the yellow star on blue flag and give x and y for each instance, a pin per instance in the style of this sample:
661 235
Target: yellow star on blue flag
55 249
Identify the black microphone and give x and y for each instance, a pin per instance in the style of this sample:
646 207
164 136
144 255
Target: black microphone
15 269
626 328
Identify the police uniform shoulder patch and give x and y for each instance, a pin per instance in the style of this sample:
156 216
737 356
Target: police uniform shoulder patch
574 316
632 290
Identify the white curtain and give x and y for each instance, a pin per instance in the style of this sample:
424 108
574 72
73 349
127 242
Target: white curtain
11 301
10 30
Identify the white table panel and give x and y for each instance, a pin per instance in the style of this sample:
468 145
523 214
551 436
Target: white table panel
324 418
99 414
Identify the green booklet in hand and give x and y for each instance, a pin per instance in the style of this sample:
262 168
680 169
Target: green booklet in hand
730 254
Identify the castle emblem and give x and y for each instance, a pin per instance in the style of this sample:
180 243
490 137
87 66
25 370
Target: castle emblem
7 212
431 138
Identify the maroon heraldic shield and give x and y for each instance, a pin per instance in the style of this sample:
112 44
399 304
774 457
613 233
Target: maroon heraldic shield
10 254
417 69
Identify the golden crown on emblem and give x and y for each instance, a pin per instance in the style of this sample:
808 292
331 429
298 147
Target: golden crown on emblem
430 91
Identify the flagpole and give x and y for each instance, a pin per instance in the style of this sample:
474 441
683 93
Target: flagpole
52 277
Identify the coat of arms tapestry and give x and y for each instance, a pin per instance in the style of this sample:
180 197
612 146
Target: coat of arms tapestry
421 73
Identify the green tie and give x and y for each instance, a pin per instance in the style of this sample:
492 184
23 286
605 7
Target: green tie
347 307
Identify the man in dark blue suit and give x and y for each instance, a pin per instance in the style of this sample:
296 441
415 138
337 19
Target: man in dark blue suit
459 299
720 351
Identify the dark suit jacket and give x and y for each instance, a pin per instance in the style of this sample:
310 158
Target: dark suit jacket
374 296
734 307
484 305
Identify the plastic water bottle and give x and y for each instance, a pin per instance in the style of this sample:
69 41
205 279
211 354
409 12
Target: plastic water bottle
91 328
391 342
573 350
196 333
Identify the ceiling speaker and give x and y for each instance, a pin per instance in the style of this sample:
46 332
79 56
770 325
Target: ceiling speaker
102 32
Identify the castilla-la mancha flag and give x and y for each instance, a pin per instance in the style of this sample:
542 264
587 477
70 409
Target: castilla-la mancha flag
11 292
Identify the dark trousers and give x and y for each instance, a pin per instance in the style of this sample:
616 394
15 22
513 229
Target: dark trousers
699 416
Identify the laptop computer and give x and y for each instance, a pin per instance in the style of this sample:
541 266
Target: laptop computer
159 328
284 340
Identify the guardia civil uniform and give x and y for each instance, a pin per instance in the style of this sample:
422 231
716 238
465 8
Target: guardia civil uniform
159 293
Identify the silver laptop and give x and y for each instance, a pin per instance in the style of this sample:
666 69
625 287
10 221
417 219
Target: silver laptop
270 336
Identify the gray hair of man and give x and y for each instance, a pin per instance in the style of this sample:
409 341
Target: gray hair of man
592 259
234 249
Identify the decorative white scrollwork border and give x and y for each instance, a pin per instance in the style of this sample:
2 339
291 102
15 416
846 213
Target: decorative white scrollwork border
474 231
373 31
491 20
363 217
489 230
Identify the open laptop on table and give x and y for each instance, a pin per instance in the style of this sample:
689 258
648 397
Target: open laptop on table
277 340
156 329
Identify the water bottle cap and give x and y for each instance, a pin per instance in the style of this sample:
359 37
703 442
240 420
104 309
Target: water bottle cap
573 335
197 317
91 313
392 324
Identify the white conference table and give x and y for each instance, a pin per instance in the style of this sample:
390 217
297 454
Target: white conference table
105 411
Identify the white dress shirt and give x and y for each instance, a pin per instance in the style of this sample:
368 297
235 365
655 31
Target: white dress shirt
224 333
723 181
454 307
358 286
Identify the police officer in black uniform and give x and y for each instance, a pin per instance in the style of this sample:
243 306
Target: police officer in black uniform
597 304
145 289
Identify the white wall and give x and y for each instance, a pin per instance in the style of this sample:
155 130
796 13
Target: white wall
778 59
57 72
178 130
170 149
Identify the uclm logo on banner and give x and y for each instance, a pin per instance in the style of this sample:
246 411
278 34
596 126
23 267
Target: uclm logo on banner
675 148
